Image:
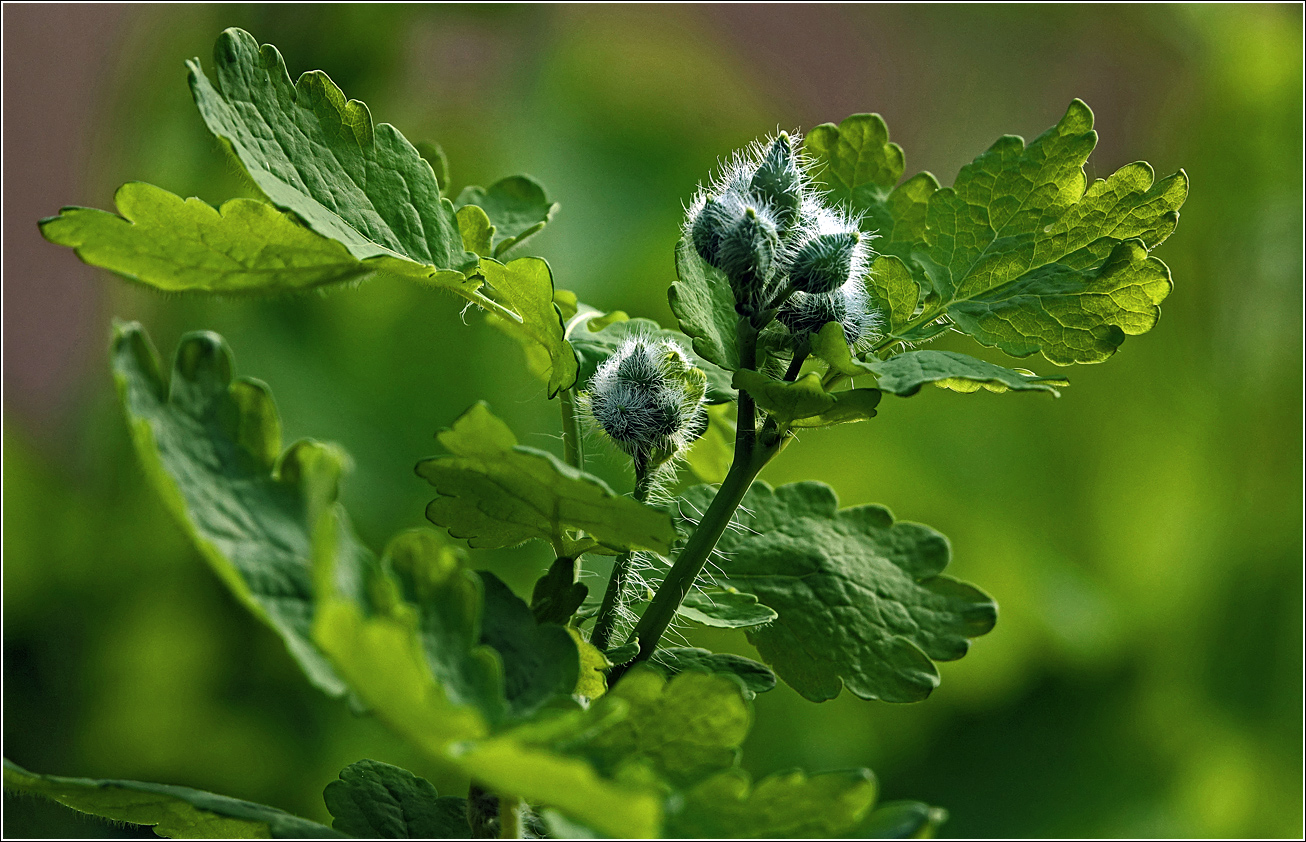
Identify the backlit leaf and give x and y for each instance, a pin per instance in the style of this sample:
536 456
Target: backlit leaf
517 207
525 286
788 805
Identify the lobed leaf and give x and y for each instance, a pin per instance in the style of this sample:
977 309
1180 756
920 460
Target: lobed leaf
173 811
315 153
904 820
210 446
525 286
805 402
788 805
673 660
516 207
558 593
497 493
705 307
860 600
540 660
724 608
375 800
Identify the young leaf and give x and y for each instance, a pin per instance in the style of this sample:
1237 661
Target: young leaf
705 307
860 598
210 446
476 230
378 801
596 341
804 402
904 820
173 811
557 594
498 494
1027 256
517 207
674 660
904 374
540 661
315 153
724 608
787 805
710 456
526 286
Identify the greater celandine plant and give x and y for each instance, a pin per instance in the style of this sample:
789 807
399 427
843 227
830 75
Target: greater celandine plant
804 267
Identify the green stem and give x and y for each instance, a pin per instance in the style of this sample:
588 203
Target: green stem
748 463
509 818
607 616
573 449
796 366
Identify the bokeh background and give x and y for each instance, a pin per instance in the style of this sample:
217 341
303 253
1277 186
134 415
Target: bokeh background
1142 534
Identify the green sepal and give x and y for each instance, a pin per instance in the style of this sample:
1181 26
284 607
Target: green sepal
315 153
557 594
704 305
903 820
673 660
375 800
516 206
172 811
861 600
725 608
497 493
784 806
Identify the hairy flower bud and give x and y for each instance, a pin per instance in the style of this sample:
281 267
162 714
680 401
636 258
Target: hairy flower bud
825 262
780 182
805 314
747 256
648 398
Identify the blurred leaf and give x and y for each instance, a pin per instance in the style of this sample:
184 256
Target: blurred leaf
593 663
517 207
526 286
724 608
905 373
498 494
860 600
540 660
709 457
557 594
1026 259
791 804
804 402
315 153
904 820
210 447
596 341
378 801
173 811
433 154
674 660
476 230
705 307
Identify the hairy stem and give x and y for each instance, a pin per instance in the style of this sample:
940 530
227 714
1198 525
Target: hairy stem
748 462
573 449
795 366
607 617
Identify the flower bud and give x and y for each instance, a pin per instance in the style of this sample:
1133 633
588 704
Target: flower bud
805 314
825 262
747 256
648 398
780 182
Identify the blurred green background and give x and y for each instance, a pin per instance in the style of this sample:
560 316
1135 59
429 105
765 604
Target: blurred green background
1142 534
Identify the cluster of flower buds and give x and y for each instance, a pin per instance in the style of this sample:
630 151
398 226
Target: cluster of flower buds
769 231
649 398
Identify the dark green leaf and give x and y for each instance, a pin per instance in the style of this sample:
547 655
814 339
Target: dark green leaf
904 820
173 811
315 153
558 594
499 494
598 339
674 660
517 207
525 286
788 805
724 608
378 801
540 661
622 654
860 598
210 446
705 307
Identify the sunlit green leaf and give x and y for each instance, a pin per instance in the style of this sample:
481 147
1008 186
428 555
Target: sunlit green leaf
894 291
598 339
705 307
211 446
673 660
904 820
525 286
860 598
315 153
375 800
173 811
476 230
724 608
540 660
517 207
593 664
788 805
497 493
805 402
